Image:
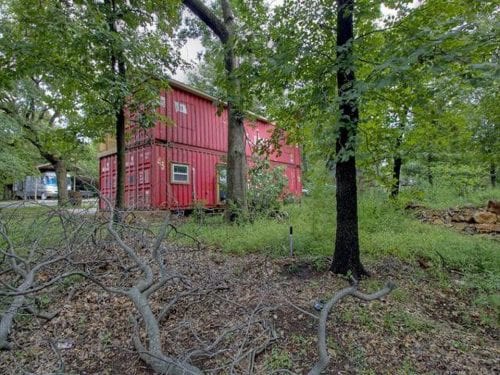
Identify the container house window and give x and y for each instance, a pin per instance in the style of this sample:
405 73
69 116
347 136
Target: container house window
180 107
180 174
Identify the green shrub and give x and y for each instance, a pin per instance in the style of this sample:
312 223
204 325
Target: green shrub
265 187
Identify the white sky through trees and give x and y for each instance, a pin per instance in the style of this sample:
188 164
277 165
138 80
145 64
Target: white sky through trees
193 47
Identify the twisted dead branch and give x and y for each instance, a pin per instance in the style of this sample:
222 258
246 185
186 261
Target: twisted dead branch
133 261
324 358
140 264
26 261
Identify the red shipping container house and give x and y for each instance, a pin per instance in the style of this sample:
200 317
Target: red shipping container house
181 164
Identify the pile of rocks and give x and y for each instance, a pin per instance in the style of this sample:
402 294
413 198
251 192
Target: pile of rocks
468 219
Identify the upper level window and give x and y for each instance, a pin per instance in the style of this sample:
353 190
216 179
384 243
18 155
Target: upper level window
180 174
180 107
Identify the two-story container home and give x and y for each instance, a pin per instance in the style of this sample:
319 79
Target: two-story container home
182 163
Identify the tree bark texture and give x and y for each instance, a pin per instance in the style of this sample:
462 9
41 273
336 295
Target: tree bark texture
236 158
493 175
120 161
346 257
62 183
396 168
430 177
118 70
152 353
7 319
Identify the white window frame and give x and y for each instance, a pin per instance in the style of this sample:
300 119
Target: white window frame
180 107
173 173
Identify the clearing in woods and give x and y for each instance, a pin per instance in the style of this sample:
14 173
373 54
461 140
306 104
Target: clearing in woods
434 322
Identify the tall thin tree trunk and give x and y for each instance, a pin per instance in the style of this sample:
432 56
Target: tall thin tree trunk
396 169
493 174
236 156
118 70
120 161
396 176
62 183
346 257
430 177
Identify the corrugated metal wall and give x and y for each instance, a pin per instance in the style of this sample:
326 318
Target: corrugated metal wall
202 186
198 126
148 177
259 130
197 137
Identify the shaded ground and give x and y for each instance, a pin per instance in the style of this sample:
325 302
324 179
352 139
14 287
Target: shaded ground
425 326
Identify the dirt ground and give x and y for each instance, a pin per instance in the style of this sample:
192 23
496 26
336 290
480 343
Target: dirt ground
422 327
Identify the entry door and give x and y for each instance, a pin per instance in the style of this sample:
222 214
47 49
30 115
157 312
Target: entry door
221 184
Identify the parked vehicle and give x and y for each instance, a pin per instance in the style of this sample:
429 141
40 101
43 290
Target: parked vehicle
42 187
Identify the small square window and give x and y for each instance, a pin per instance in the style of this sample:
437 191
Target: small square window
180 107
180 174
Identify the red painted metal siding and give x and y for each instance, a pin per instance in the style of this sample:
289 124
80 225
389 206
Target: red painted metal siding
260 130
145 180
201 126
198 126
148 177
202 186
196 136
107 178
294 176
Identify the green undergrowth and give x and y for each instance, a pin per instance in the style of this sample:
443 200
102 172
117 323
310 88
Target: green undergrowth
27 225
442 196
39 226
386 229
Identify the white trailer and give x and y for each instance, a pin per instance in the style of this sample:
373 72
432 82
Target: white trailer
42 187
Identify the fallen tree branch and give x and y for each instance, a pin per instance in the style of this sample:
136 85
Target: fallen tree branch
177 232
324 359
301 309
40 314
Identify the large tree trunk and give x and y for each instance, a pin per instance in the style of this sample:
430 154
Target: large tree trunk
346 256
493 174
236 156
62 183
236 167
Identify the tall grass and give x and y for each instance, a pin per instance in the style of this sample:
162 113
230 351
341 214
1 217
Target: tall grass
442 196
386 228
